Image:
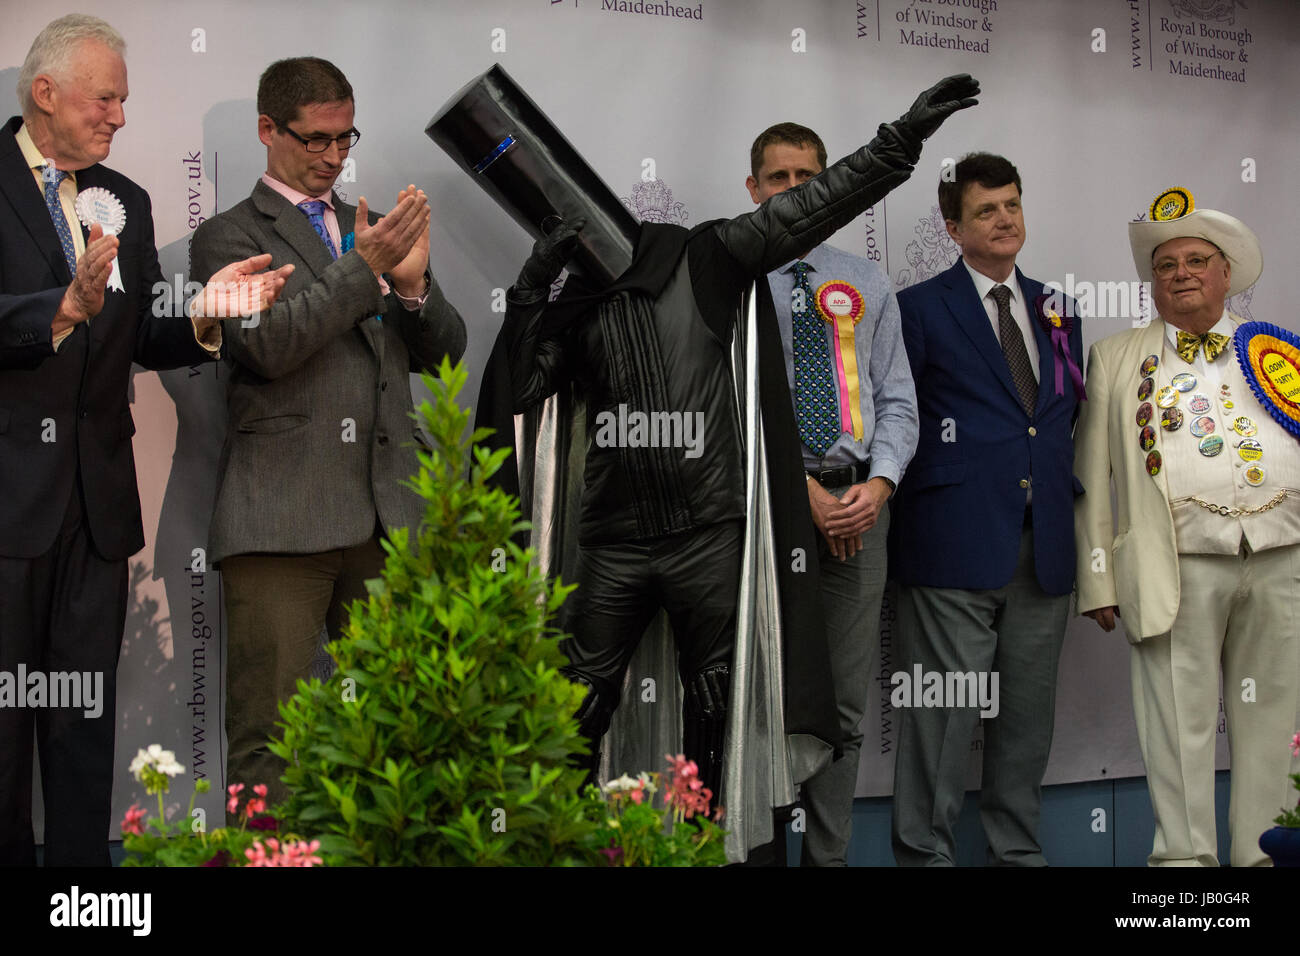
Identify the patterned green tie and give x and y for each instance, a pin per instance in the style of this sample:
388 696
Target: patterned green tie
816 398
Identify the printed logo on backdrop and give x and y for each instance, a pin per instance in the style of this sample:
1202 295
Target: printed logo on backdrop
1203 39
964 25
931 252
652 201
1222 10
1239 304
650 8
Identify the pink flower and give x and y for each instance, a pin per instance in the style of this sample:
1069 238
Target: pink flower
686 792
132 823
254 806
257 854
260 789
638 794
300 853
1295 745
233 803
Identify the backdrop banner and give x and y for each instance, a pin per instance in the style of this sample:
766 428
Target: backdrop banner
1100 105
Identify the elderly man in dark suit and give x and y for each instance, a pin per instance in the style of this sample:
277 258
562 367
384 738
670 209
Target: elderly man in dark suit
984 526
320 432
76 309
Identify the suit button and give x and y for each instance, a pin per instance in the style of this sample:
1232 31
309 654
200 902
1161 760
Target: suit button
85 414
1024 482
383 439
1032 431
383 386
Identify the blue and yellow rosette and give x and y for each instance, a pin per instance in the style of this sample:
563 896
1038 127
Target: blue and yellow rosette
840 304
1270 359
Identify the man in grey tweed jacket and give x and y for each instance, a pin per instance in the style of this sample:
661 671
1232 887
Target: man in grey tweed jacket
320 434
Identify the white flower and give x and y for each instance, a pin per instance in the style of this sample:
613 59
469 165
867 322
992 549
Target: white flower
139 763
167 764
164 761
622 783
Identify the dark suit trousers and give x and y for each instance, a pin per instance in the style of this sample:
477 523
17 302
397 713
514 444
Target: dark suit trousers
63 611
276 605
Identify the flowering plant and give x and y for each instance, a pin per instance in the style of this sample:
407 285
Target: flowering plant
187 842
1291 817
634 832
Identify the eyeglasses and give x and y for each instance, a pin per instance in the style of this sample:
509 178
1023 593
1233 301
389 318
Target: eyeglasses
319 144
1195 264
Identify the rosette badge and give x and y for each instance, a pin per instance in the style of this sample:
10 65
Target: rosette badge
1270 359
841 304
98 205
1172 204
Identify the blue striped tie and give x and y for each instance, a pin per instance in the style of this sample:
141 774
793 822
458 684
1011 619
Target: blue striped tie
53 177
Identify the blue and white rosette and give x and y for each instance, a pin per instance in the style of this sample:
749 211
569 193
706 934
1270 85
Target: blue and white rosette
97 205
1269 357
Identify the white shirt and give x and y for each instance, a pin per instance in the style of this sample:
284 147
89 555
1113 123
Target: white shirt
1019 311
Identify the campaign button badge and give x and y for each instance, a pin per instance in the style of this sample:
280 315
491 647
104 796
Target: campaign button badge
1150 364
1144 414
1200 427
1198 404
1147 438
1167 397
1153 463
1243 426
1255 476
1249 449
1171 419
1210 445
1146 388
1183 381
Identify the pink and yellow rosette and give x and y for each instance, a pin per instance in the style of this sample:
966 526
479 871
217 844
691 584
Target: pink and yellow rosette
842 305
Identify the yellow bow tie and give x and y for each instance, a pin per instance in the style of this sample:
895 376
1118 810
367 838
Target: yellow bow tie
1214 344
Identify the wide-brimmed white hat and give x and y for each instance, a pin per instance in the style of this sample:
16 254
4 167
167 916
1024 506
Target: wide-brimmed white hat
1174 215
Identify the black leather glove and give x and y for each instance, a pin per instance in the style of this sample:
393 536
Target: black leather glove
550 253
938 103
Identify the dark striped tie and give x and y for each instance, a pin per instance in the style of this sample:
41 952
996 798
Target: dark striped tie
1013 347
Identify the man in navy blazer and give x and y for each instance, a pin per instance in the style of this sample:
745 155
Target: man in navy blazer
71 325
983 528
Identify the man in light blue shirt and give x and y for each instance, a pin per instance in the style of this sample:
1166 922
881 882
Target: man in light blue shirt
855 407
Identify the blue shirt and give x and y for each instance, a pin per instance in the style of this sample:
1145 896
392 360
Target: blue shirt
887 396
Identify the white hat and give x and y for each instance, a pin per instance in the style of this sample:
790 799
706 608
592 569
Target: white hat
1174 215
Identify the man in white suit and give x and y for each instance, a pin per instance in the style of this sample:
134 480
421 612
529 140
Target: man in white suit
1204 566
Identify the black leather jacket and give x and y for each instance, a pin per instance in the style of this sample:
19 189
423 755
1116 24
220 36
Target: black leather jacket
664 353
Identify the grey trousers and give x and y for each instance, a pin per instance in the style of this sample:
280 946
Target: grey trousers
1017 632
851 592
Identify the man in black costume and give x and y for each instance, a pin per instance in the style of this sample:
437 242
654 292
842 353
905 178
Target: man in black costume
663 504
